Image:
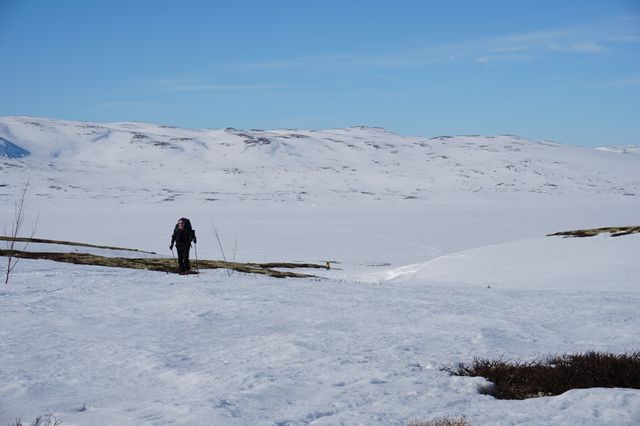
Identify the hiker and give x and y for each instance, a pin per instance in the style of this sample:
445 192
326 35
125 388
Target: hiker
183 236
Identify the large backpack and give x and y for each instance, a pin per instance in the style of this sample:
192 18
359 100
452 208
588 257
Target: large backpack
187 224
187 227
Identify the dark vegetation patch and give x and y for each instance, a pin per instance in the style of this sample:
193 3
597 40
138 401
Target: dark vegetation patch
441 421
252 141
614 231
232 171
555 375
293 136
139 136
163 144
165 264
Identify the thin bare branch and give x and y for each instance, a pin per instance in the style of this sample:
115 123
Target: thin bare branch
16 227
215 231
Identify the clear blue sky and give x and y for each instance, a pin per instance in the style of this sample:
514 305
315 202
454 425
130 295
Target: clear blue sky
567 71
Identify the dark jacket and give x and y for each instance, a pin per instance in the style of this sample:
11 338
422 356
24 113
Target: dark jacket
183 237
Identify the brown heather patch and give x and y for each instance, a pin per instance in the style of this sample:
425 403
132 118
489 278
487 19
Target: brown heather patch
165 264
614 231
555 375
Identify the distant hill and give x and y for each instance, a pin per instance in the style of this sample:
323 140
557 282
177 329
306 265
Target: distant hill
628 149
163 163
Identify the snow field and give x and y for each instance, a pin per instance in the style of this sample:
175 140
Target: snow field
150 348
440 256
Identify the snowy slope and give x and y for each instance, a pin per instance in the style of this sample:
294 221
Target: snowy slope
156 163
9 150
417 229
540 263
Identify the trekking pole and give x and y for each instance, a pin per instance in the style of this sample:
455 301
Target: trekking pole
174 258
195 248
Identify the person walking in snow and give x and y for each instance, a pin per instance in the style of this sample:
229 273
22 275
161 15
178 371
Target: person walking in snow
183 236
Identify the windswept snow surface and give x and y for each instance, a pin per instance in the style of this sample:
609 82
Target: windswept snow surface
440 256
541 263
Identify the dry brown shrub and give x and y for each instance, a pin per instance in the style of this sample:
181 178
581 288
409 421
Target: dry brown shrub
557 374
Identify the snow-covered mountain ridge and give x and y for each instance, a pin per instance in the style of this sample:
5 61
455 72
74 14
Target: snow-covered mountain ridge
163 163
628 149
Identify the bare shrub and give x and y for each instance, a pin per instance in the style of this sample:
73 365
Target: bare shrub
14 229
215 231
556 375
47 420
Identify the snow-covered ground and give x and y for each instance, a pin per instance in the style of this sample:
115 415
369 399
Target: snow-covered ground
440 256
